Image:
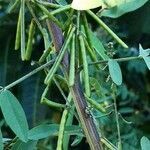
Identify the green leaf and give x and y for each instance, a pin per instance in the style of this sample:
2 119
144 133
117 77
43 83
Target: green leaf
145 55
115 71
43 131
147 61
123 7
144 52
1 141
145 143
14 114
19 145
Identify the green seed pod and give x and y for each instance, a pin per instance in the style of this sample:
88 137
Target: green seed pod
87 31
62 130
108 30
18 32
85 66
22 29
72 63
30 40
63 122
59 58
51 103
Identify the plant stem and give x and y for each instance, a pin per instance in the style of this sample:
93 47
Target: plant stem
60 89
117 119
81 105
29 75
124 59
60 10
57 11
87 122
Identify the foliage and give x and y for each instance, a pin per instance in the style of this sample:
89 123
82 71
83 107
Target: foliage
119 8
64 42
145 143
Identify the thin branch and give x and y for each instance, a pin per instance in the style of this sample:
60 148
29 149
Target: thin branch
29 75
125 59
117 118
57 11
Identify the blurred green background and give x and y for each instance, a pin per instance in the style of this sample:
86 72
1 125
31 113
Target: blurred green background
133 98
